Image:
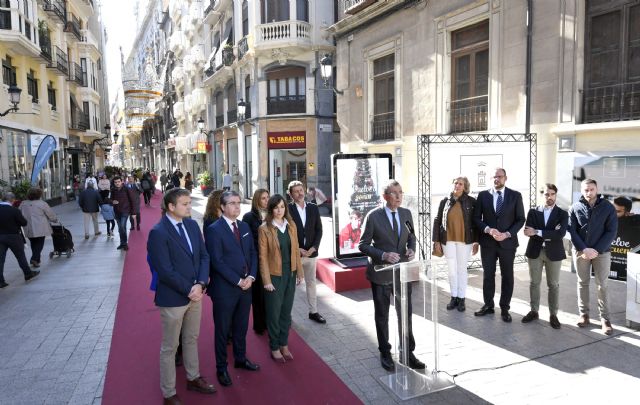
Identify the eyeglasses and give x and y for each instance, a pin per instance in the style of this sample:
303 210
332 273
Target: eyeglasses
234 203
395 194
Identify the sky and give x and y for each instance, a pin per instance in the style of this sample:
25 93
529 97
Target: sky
120 25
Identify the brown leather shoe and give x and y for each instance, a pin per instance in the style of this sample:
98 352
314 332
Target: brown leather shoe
174 400
555 323
606 327
584 321
200 385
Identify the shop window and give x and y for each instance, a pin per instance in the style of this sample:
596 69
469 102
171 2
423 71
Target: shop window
32 86
51 95
8 72
274 10
286 90
470 78
383 125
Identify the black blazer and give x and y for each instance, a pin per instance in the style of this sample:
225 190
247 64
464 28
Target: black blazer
377 238
311 232
254 221
552 233
11 219
510 220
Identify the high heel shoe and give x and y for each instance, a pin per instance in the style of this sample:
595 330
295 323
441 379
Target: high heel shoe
278 359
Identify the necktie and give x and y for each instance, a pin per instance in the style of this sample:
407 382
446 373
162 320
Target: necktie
236 232
499 203
183 235
395 224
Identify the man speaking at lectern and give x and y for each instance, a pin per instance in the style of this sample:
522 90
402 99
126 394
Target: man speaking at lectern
387 238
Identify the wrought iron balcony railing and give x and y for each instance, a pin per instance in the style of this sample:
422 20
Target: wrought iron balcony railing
79 121
383 127
219 120
618 102
232 116
76 74
73 26
57 8
286 105
61 63
469 114
243 47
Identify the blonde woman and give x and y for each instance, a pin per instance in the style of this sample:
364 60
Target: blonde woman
455 235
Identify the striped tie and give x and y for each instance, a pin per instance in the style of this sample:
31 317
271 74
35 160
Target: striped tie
499 204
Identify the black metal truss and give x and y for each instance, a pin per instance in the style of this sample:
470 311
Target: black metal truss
424 177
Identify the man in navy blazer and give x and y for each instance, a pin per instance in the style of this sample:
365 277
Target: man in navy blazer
177 252
499 215
546 226
234 266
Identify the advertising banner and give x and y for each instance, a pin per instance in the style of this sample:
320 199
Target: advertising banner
44 152
628 238
358 182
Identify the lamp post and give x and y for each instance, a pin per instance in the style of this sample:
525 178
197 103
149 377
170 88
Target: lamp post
14 98
326 71
201 124
242 110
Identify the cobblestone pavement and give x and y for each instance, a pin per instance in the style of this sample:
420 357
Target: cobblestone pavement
56 330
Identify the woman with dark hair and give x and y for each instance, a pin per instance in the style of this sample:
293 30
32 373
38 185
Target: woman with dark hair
188 181
212 212
455 236
254 219
39 216
281 270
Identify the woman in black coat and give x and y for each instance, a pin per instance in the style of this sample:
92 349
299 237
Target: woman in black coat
254 219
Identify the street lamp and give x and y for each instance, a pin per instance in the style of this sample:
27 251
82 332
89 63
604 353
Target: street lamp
172 133
115 137
242 110
14 98
326 71
201 124
153 139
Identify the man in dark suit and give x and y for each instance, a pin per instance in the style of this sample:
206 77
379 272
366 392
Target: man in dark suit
11 221
499 215
307 218
177 253
234 265
545 227
387 240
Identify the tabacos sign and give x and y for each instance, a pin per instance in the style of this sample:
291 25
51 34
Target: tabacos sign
287 140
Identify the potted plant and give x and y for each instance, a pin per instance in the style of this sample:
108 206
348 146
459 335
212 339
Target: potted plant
206 183
20 190
227 54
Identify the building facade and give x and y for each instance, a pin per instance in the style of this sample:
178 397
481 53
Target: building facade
424 67
53 51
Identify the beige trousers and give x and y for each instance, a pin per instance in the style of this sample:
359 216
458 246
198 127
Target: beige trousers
309 267
88 218
175 319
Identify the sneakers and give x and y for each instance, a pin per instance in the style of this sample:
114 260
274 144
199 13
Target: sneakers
583 321
531 316
606 327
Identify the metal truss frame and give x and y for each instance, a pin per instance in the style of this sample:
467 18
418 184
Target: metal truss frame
424 177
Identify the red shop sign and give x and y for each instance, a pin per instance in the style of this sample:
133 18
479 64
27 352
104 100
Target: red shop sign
287 140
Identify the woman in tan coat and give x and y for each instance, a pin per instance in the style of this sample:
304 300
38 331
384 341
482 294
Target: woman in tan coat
39 216
281 270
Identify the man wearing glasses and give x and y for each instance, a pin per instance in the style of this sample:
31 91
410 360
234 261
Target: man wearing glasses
386 239
499 215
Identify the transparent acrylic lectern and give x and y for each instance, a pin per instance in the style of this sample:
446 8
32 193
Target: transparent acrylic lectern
422 277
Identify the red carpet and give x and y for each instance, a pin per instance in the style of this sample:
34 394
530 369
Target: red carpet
133 375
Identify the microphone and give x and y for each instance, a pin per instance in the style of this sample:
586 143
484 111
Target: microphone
407 223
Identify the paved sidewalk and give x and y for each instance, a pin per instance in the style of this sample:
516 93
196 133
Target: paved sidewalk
55 336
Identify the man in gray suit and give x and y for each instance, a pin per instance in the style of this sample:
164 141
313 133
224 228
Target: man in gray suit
386 239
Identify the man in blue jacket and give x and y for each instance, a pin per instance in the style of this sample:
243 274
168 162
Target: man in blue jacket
178 254
234 267
593 226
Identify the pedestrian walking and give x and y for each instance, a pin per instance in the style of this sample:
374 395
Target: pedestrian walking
121 199
11 219
89 202
39 216
104 186
136 190
91 180
188 181
163 180
147 188
108 215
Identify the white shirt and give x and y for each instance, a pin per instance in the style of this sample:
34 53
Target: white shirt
283 227
388 211
175 225
546 211
230 223
494 193
302 212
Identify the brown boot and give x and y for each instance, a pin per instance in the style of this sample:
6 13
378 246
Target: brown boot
584 321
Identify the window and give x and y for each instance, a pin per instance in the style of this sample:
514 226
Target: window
383 125
245 18
286 90
94 79
32 86
51 95
8 72
612 62
83 67
302 9
274 10
470 78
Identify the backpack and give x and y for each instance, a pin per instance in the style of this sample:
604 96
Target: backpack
145 184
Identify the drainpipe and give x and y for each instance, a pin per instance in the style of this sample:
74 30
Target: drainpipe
527 125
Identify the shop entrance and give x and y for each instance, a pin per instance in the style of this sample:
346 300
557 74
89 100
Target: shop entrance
286 166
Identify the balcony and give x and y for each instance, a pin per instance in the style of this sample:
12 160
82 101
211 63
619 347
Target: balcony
19 35
220 121
355 6
86 7
45 48
283 34
232 116
286 105
56 8
176 42
178 111
208 14
469 114
89 40
73 27
79 121
76 75
59 61
383 127
618 102
243 48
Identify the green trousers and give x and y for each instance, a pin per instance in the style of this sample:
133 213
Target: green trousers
279 304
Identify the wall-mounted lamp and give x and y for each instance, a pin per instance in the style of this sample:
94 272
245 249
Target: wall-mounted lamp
201 124
326 71
242 110
172 133
14 98
153 139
